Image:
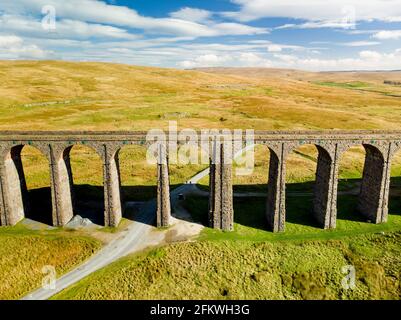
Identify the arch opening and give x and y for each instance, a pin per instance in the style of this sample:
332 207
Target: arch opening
309 184
85 170
28 185
250 190
137 179
394 204
360 187
187 167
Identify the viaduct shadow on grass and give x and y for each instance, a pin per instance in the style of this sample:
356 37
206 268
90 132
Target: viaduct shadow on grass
248 211
89 202
39 206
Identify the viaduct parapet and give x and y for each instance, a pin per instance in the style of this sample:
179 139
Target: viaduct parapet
380 148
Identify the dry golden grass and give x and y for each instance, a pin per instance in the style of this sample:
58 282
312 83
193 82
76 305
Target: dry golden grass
100 96
23 254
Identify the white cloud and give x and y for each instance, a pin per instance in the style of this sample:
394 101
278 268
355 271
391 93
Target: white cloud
242 59
249 59
366 60
13 47
338 24
274 48
370 55
65 29
360 43
10 41
208 60
387 34
99 12
191 14
327 13
236 29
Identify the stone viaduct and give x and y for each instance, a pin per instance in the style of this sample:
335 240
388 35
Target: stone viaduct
380 147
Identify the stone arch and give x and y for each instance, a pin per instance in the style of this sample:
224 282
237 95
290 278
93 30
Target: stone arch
87 199
372 183
133 175
251 182
18 202
324 175
372 200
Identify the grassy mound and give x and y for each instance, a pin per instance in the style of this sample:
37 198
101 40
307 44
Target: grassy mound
23 254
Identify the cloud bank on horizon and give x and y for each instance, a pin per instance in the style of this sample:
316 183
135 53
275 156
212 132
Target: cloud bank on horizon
315 35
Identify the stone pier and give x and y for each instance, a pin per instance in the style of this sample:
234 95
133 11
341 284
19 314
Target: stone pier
111 183
325 189
221 215
275 206
15 194
163 190
62 185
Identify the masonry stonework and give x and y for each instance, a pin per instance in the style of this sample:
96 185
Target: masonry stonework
380 147
325 189
275 206
163 212
221 214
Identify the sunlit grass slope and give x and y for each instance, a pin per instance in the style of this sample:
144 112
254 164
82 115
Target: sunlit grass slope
24 252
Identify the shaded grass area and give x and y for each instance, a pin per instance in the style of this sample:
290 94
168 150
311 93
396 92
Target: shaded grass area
24 252
138 180
250 220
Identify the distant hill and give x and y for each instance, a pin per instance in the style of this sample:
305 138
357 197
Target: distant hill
59 95
378 76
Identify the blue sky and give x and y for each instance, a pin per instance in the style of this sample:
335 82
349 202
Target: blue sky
309 34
